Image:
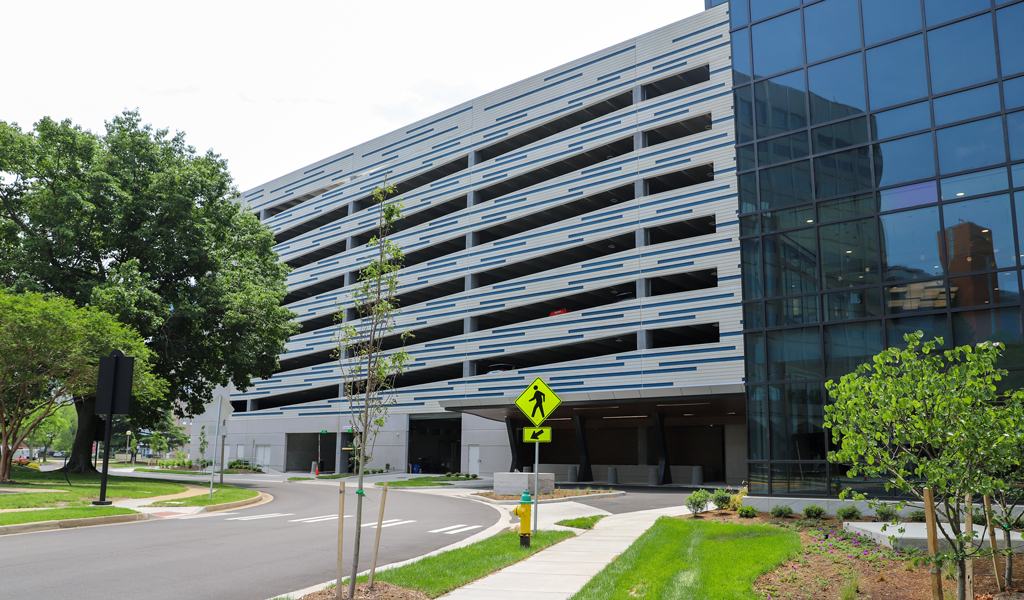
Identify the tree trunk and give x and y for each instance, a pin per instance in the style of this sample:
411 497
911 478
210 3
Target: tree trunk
1008 573
5 466
359 521
81 449
961 580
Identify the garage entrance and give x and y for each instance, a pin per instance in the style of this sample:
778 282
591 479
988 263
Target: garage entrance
435 444
300 451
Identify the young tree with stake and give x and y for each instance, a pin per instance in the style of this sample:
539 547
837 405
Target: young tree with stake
369 369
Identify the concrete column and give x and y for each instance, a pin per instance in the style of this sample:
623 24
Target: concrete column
472 239
661 443
585 472
638 140
639 188
638 94
468 368
469 324
472 281
644 340
513 443
337 453
472 198
643 288
251 404
641 445
474 157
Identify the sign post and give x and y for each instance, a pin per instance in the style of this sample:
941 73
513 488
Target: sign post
113 396
224 410
537 398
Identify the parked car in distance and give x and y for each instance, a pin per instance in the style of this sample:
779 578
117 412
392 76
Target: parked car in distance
499 368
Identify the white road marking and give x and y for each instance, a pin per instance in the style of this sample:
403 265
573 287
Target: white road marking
317 519
374 523
447 528
254 517
464 529
204 515
398 523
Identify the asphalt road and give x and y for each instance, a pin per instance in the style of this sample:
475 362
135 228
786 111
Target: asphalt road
251 554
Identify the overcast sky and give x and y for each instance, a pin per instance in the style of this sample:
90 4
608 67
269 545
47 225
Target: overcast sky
274 86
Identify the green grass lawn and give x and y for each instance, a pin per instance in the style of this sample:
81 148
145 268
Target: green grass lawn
331 476
221 494
300 479
170 471
82 491
57 514
419 482
442 573
687 558
582 522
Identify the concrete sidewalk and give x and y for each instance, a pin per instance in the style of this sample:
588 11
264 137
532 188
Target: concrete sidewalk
558 572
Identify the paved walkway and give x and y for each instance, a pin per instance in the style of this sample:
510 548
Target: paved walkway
139 504
558 572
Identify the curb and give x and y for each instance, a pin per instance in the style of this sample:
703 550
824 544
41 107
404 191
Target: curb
550 500
71 523
259 498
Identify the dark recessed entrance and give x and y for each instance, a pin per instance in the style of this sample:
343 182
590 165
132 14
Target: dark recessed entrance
435 444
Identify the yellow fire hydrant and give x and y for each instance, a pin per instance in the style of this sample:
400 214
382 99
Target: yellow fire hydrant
523 511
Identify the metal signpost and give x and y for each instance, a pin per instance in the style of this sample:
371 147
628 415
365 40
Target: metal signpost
113 397
537 398
224 410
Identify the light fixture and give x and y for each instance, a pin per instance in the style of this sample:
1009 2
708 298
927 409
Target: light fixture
959 193
687 404
984 230
687 414
732 413
593 407
810 220
849 251
627 417
559 419
612 246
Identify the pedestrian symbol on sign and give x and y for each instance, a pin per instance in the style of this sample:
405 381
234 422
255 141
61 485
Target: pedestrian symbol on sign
537 402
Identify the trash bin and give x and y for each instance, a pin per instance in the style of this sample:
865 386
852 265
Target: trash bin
415 468
652 476
698 476
573 474
613 475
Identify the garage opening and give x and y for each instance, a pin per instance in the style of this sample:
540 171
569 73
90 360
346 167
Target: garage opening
435 444
301 451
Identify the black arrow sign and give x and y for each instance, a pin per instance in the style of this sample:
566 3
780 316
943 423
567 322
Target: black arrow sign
536 435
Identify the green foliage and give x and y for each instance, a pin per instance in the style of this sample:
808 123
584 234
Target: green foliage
747 512
781 511
581 522
82 491
917 516
814 511
736 502
698 501
59 514
885 512
223 493
851 586
848 513
721 498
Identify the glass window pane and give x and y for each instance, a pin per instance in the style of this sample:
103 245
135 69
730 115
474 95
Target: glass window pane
886 19
842 173
975 184
1017 172
787 218
1015 127
910 244
1013 93
797 413
932 326
979 234
760 9
748 225
745 158
984 288
940 11
782 149
751 255
744 101
757 422
780 104
896 73
792 311
844 208
916 296
777 44
832 27
915 194
794 354
849 346
840 135
753 316
904 160
786 185
1010 21
997 325
849 253
837 89
804 479
754 353
748 192
737 13
971 145
741 69
856 304
790 263
758 479
962 54
898 121
966 105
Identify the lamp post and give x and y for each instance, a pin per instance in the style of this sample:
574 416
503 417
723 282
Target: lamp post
128 447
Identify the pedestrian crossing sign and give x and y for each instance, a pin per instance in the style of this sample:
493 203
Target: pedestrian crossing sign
538 402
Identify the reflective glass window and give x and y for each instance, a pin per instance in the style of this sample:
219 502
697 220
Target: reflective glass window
844 208
1010 21
797 413
1018 207
759 481
783 149
790 263
831 27
754 353
741 57
748 192
737 13
853 304
996 325
849 253
751 257
984 288
745 157
971 145
910 244
905 119
916 296
748 225
842 173
851 345
979 234
777 44
966 105
804 479
1017 172
962 54
886 19
904 160
760 9
791 311
787 218
780 104
896 73
785 185
837 89
1015 127
794 354
940 11
753 316
915 194
757 422
1013 93
932 326
975 184
840 135
744 101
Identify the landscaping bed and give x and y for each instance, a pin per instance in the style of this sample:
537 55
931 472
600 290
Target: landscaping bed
559 493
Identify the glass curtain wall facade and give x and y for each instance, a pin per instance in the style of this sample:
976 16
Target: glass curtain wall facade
880 146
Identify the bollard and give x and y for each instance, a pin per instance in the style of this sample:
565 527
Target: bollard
573 476
523 512
613 475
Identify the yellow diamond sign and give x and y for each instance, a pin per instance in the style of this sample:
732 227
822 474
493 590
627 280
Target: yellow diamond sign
538 402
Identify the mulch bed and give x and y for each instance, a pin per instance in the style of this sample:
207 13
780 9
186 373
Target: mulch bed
381 591
830 556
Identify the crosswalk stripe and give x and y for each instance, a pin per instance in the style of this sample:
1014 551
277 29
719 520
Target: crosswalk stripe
447 528
254 517
204 515
398 523
374 524
464 529
312 518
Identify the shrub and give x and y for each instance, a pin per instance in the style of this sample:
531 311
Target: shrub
814 511
448 474
720 498
474 476
747 512
736 501
781 511
698 501
917 516
885 513
848 513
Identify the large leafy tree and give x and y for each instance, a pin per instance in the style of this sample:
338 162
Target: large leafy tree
136 222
